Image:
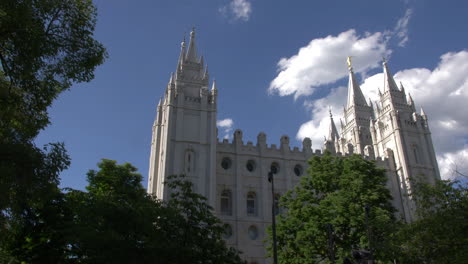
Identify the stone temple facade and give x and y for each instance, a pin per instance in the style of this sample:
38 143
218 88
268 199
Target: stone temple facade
233 175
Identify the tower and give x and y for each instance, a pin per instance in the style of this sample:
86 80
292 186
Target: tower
357 113
184 131
402 135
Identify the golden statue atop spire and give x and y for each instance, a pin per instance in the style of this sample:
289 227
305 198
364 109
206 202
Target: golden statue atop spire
350 66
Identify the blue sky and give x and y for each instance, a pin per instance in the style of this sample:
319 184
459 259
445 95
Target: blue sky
278 65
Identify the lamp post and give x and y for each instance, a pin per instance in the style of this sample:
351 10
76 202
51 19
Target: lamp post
275 253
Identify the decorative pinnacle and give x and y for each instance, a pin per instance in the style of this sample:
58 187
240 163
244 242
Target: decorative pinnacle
384 60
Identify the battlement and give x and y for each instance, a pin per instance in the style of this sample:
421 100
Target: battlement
237 145
261 148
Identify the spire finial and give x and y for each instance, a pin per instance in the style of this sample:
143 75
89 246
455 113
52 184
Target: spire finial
329 111
384 60
350 65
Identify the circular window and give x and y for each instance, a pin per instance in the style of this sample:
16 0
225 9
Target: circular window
226 163
253 232
250 165
274 167
227 231
298 170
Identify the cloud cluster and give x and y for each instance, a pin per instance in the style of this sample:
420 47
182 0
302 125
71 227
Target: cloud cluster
226 126
237 10
401 28
322 62
442 92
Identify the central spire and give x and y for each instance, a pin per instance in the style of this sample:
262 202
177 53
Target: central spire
192 49
389 82
355 96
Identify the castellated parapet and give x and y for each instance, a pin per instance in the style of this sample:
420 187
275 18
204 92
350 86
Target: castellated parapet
233 175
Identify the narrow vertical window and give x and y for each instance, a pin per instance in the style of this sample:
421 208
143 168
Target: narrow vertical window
189 161
251 204
416 153
226 202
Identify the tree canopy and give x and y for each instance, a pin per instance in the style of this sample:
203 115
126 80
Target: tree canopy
325 216
45 46
440 234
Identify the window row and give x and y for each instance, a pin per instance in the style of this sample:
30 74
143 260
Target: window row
252 232
226 164
251 203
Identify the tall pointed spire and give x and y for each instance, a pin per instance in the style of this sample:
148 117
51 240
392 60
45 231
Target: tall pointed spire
355 96
333 132
389 82
181 55
192 49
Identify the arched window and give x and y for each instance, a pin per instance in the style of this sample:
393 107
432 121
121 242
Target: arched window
250 165
226 163
274 167
227 231
251 204
298 170
226 202
253 232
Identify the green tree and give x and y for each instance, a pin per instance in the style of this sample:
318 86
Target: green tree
336 191
439 235
45 46
116 221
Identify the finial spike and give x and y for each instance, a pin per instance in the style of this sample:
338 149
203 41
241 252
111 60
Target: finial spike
350 65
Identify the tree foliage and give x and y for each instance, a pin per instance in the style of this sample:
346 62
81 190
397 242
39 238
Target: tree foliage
45 46
336 191
439 235
116 221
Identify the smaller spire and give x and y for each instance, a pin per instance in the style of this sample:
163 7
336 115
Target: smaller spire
422 112
333 132
402 88
202 61
389 82
341 123
411 102
171 80
192 50
182 54
213 87
206 73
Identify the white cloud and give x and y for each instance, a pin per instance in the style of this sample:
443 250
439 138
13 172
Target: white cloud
401 28
226 126
317 128
322 62
443 93
237 9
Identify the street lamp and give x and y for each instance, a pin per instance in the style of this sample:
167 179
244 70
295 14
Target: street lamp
270 179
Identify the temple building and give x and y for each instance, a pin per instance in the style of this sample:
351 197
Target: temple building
232 174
